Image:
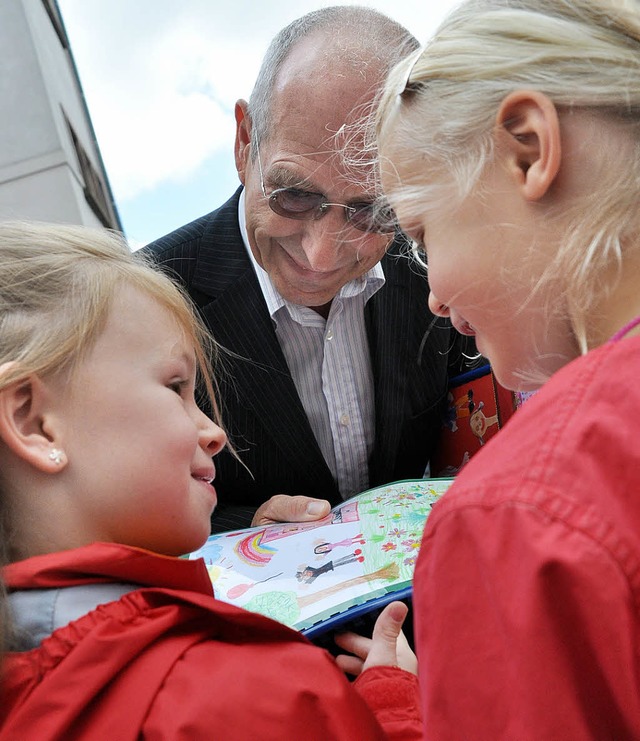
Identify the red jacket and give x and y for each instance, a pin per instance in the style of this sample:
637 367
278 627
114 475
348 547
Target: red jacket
527 587
169 661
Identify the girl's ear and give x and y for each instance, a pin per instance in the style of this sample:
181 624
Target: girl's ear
532 143
25 427
242 148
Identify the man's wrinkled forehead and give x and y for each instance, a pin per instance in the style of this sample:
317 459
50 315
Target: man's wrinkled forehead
320 112
323 84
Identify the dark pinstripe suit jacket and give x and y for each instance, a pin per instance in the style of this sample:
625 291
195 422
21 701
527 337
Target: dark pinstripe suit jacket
260 405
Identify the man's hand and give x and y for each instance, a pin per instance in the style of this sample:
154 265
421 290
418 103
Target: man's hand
387 646
283 508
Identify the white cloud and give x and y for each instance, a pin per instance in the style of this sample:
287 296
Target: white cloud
161 107
161 77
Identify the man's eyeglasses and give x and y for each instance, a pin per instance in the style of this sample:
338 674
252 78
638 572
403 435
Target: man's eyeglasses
304 205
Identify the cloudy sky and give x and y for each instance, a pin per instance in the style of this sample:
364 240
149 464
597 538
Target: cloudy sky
161 78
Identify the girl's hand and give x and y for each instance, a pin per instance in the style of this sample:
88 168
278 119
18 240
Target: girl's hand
387 646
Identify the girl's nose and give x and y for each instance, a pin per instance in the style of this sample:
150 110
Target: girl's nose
437 307
212 437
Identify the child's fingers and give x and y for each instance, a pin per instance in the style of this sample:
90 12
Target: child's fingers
350 664
358 646
354 643
389 646
406 657
385 636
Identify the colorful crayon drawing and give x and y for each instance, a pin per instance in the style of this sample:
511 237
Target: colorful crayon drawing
254 550
292 572
308 574
321 547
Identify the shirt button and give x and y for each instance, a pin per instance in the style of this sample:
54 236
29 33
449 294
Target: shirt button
330 334
345 420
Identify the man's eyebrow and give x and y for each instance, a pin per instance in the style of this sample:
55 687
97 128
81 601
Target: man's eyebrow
284 178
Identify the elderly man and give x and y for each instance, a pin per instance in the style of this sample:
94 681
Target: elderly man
336 374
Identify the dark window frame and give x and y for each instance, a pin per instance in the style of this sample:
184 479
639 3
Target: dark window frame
51 6
95 192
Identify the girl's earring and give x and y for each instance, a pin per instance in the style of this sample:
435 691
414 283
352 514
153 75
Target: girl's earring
57 456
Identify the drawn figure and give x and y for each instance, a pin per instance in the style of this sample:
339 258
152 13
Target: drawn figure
463 406
324 547
479 423
308 574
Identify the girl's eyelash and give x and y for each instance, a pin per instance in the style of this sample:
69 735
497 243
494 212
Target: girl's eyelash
178 386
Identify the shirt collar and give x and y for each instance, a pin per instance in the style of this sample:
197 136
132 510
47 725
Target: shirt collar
368 283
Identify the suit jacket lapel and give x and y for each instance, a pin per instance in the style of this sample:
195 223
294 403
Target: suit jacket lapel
389 319
229 292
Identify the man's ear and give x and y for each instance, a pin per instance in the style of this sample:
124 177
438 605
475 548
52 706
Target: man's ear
532 143
25 426
242 148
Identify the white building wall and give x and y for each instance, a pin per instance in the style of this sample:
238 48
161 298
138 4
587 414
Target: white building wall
40 173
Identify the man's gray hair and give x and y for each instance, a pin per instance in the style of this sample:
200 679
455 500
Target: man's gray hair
385 40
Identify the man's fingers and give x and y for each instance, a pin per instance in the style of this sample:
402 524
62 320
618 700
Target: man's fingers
283 508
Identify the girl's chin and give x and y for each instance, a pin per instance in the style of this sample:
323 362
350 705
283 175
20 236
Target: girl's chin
480 345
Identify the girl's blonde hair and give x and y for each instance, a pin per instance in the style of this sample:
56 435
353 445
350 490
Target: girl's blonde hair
57 285
439 106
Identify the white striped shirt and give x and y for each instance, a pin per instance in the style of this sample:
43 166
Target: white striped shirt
330 365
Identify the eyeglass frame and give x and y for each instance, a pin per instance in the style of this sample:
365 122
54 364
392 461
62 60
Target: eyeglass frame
317 212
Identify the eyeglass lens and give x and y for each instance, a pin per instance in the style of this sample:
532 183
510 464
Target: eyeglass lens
300 204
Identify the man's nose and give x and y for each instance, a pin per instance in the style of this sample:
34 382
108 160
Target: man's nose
324 240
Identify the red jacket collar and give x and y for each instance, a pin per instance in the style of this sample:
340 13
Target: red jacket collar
105 562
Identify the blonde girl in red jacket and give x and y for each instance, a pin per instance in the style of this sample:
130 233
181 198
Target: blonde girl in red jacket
106 477
510 150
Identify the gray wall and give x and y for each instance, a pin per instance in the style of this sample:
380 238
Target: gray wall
40 175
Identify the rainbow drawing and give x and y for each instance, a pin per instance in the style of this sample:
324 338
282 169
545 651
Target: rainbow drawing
253 551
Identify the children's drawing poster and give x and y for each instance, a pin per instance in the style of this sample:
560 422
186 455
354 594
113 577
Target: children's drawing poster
478 406
304 573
